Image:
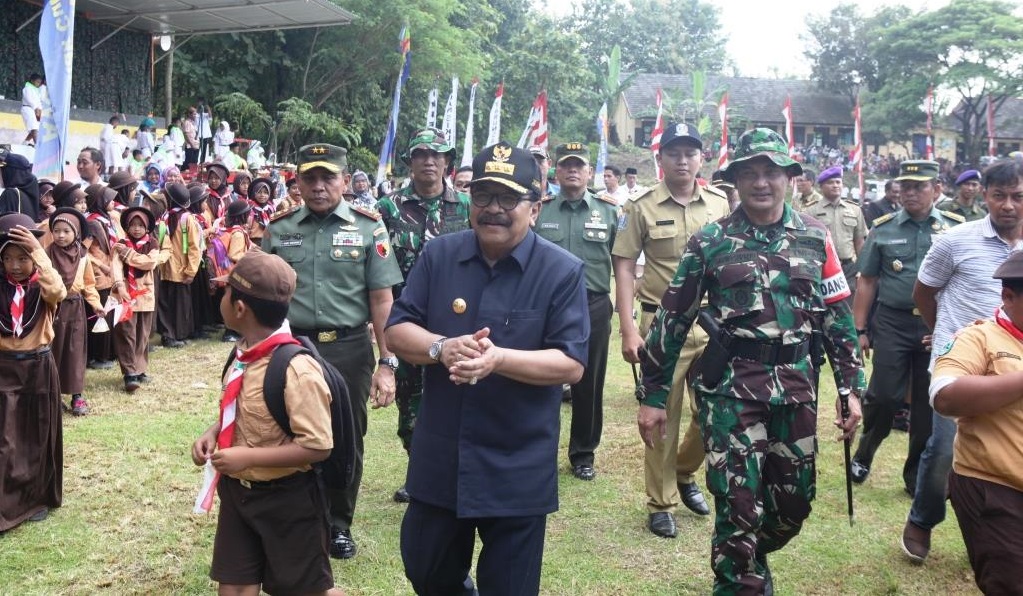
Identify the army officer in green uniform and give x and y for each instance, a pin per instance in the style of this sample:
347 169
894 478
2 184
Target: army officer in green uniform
888 267
346 270
584 224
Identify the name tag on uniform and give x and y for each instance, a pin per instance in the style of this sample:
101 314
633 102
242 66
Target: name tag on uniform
347 239
665 222
349 228
291 240
549 225
591 225
898 241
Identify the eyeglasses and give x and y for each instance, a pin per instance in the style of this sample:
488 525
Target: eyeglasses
506 201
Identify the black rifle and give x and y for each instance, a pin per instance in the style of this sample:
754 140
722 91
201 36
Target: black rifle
817 361
843 397
716 356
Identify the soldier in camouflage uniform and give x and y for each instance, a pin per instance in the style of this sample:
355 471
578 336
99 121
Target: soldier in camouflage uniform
770 275
423 210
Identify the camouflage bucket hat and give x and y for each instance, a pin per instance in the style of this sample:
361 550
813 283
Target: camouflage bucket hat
762 142
428 138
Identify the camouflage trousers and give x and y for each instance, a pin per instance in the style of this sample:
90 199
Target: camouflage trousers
761 471
408 390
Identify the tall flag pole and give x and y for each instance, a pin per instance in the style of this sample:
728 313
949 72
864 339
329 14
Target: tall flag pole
494 129
929 149
723 117
450 122
655 134
857 156
56 44
469 124
535 133
387 148
786 111
431 109
990 126
602 134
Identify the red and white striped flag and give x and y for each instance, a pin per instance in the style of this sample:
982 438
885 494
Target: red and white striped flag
990 126
655 135
723 117
857 152
929 148
786 111
494 132
535 134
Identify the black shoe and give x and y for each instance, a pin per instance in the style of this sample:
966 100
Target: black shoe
768 580
401 495
693 499
341 544
131 383
172 343
662 523
100 364
584 472
858 471
144 378
901 420
39 515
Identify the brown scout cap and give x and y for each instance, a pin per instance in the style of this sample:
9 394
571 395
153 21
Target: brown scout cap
1012 268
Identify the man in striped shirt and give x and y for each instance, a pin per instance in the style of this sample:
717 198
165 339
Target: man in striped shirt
953 289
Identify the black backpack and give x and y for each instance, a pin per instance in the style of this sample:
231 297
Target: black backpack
338 470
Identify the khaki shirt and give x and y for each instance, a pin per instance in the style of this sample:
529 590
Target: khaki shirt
656 225
338 258
51 292
585 228
845 222
800 202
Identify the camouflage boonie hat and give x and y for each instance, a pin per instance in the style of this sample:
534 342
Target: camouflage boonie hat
429 138
762 142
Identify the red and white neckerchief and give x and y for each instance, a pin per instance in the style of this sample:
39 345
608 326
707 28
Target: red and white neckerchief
18 302
1005 323
132 278
108 225
262 213
229 406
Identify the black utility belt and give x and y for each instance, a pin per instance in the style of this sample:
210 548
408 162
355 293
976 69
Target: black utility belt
276 482
647 307
906 311
29 355
768 352
327 336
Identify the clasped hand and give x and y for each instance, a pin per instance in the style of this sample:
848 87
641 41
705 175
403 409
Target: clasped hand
470 358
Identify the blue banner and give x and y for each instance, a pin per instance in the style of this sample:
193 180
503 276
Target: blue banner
56 44
386 163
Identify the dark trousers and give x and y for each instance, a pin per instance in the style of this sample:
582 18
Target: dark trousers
588 393
353 356
437 547
900 363
191 157
991 519
100 346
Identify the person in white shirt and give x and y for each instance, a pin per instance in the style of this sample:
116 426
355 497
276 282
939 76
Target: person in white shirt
32 107
145 141
108 144
222 140
612 175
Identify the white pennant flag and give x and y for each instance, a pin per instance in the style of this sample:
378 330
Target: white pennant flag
467 149
494 132
449 124
431 110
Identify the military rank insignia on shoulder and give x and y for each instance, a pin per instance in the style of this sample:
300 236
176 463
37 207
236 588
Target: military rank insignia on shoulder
645 193
547 198
954 216
285 213
809 203
375 216
607 199
715 191
887 217
851 202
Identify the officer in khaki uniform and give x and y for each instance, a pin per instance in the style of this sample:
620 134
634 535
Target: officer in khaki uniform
805 194
584 224
658 223
346 268
844 220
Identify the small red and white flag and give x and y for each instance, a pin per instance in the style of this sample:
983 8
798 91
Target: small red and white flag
723 118
786 111
535 133
857 152
655 135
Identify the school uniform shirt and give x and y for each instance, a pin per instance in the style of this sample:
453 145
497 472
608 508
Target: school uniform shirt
145 263
184 260
85 284
51 292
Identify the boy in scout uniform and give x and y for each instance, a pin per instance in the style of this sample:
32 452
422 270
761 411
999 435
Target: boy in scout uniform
584 224
658 223
888 269
844 220
346 270
421 211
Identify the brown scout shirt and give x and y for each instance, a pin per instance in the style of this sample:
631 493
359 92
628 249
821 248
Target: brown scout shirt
51 291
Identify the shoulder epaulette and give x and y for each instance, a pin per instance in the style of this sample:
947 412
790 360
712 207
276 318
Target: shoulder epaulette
285 213
639 196
809 203
607 199
547 198
851 202
953 216
883 219
374 215
715 191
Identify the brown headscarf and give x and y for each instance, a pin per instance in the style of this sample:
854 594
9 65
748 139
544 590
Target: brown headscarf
67 259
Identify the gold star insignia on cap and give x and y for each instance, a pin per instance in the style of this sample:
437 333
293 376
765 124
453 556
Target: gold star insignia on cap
319 150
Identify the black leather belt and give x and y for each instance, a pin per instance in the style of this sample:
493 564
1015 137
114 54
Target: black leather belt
32 355
325 336
265 484
647 307
768 352
906 311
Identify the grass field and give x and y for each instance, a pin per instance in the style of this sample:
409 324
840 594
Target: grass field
126 526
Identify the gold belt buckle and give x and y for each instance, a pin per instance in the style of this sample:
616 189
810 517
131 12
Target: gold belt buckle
916 312
325 337
245 483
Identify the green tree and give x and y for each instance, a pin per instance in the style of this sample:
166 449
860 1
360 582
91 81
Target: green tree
245 114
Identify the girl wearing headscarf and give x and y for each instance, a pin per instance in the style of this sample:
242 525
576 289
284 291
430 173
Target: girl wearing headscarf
138 254
222 140
21 187
241 184
184 241
103 236
146 142
219 191
71 260
260 192
153 179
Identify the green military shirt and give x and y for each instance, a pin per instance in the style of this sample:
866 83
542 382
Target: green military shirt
412 220
894 250
338 258
585 228
658 226
844 220
972 213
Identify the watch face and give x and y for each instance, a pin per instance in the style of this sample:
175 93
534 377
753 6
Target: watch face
435 349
